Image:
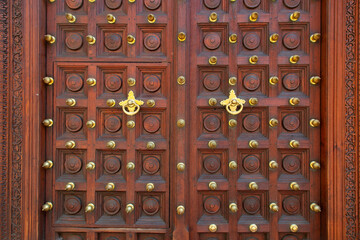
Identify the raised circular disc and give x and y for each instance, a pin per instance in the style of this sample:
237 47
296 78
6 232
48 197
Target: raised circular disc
111 205
212 123
152 4
291 205
212 41
291 40
112 164
291 81
252 3
251 123
152 83
73 41
152 41
291 163
74 237
251 82
72 204
72 164
251 205
113 4
211 81
291 3
212 204
73 122
74 4
151 124
289 237
113 41
291 122
113 82
150 206
74 82
151 165
113 123
212 164
112 238
212 4
251 163
251 41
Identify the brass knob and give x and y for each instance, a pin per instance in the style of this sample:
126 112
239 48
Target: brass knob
129 208
314 207
181 36
180 123
48 122
90 166
50 38
48 80
47 164
233 165
294 144
110 18
180 210
110 144
315 165
150 103
273 164
233 38
253 101
314 122
130 39
90 207
253 59
232 123
213 17
274 38
47 207
253 186
294 59
151 18
71 18
150 145
294 228
294 186
90 39
180 167
90 124
110 102
212 228
92 1
253 17
70 144
315 80
91 81
181 80
130 166
273 80
213 60
253 144
212 144
149 187
130 124
314 37
212 101
71 102
253 228
232 81
233 207
131 81
51 1
110 186
69 186
212 185
131 1
273 122
295 16
274 207
294 101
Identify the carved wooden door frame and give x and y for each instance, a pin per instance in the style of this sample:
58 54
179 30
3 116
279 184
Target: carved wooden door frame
22 55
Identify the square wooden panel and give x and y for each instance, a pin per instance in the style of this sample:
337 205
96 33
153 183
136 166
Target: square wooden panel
151 166
253 39
213 165
253 80
217 236
293 165
213 208
112 82
253 207
109 236
213 124
151 41
71 123
156 7
150 236
213 39
69 208
152 82
294 38
112 40
294 5
294 80
151 126
110 209
70 81
151 209
248 6
212 81
294 207
253 165
70 236
111 124
70 165
293 122
111 166
71 40
253 123
115 7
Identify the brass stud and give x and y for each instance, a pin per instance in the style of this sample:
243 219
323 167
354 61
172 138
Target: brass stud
51 1
253 101
253 186
212 228
294 59
90 124
180 210
253 17
180 167
90 39
253 228
294 186
131 1
212 185
69 186
90 166
151 18
92 1
110 186
315 80
71 18
233 38
71 102
91 81
47 207
90 207
315 165
181 80
48 122
110 102
273 122
129 208
314 122
315 208
273 164
294 228
50 38
131 81
110 144
253 59
232 81
233 165
212 101
110 18
274 207
295 16
274 38
130 124
150 145
47 164
70 144
233 207
130 166
315 37
213 60
273 80
294 144
294 101
253 144
212 144
232 123
48 80
150 103
213 17
149 187
181 36
180 123
130 39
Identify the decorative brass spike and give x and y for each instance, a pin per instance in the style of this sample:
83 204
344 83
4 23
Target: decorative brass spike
253 17
48 80
48 164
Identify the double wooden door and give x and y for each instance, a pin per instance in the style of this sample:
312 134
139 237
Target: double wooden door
182 119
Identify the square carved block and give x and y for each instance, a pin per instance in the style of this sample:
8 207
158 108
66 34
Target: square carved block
253 208
213 82
213 165
111 236
213 124
111 124
253 123
113 40
72 124
71 40
150 236
110 208
294 38
293 122
253 39
70 236
70 81
156 7
151 125
70 165
111 166
295 5
151 209
153 82
294 207
69 208
151 41
294 165
294 80
253 165
253 80
207 6
115 7
112 82
213 208
254 5
213 39
152 166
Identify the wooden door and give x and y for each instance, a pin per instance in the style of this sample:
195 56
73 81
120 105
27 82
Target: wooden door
180 158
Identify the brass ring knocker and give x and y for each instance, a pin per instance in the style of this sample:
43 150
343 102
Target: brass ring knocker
233 104
131 106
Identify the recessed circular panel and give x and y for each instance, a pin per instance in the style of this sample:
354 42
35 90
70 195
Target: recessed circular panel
151 124
212 205
212 41
152 42
72 204
74 41
251 205
251 163
251 82
212 4
291 81
112 164
251 41
74 82
72 164
113 82
291 3
113 41
150 206
212 123
212 164
291 40
113 123
152 4
113 4
251 123
252 3
73 122
291 163
151 165
211 81
111 205
291 122
291 205
74 4
152 83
